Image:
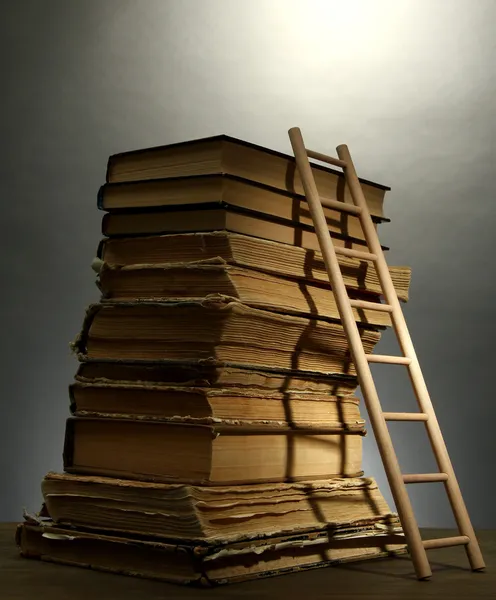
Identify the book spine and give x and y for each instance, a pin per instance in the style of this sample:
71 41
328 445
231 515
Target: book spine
100 198
105 224
72 400
100 249
68 453
107 171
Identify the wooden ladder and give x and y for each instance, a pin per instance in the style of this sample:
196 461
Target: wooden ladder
416 546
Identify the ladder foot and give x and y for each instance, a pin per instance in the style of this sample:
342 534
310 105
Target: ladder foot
423 574
476 562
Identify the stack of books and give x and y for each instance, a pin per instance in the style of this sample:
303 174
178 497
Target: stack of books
215 435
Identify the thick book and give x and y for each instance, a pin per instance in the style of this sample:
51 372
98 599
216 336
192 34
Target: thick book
215 330
192 281
204 565
164 195
220 513
210 405
246 251
218 376
211 218
223 154
173 452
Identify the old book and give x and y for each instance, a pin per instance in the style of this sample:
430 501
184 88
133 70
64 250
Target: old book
253 288
223 154
211 219
245 251
208 454
219 330
213 375
210 405
137 197
207 564
220 513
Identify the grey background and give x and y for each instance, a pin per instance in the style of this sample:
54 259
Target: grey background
408 85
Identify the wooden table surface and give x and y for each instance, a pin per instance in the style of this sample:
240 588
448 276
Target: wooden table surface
28 579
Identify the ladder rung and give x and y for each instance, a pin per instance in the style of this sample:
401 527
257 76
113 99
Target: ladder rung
341 206
459 540
327 159
392 360
397 416
355 253
424 477
371 305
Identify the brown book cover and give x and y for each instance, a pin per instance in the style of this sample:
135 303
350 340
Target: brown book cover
213 514
214 405
219 330
208 454
215 375
200 565
245 251
173 282
217 218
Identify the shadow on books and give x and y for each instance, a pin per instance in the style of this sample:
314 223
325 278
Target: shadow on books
347 365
